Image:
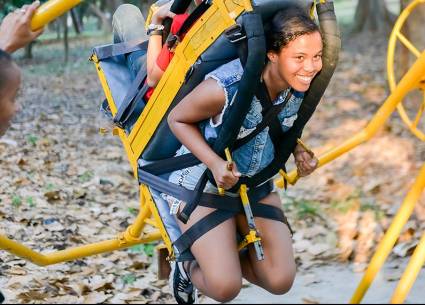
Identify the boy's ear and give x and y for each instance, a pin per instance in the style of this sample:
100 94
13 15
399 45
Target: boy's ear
272 56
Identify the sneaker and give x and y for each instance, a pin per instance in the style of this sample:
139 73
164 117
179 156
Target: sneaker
183 290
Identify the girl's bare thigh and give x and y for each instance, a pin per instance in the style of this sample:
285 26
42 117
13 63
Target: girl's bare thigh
277 271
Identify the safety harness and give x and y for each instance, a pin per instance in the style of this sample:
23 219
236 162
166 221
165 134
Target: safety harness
250 42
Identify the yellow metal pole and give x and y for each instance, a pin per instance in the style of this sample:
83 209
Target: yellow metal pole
135 230
390 238
50 11
73 253
410 274
409 81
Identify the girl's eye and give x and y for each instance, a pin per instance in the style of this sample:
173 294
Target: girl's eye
299 58
317 57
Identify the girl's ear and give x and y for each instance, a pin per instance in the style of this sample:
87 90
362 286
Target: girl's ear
272 56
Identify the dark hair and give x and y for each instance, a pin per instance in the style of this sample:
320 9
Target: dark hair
6 62
287 25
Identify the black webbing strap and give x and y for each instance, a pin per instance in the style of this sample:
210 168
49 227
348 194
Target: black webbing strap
212 220
204 225
122 48
172 164
270 114
164 186
246 91
236 35
187 24
134 95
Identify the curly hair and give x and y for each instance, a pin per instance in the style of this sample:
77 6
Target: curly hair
286 26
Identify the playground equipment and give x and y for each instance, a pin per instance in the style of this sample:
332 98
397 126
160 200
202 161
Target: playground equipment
396 35
151 222
51 10
387 243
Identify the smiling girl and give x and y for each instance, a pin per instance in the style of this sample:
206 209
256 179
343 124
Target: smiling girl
294 58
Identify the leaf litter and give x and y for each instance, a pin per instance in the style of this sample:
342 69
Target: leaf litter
62 185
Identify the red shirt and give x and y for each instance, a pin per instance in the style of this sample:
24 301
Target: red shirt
165 57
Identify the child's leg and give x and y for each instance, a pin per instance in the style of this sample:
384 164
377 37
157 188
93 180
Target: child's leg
128 24
216 272
276 272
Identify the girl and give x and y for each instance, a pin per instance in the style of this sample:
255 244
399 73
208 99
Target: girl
294 57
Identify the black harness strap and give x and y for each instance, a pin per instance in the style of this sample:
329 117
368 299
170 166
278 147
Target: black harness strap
187 24
270 114
247 87
134 95
122 48
212 220
209 222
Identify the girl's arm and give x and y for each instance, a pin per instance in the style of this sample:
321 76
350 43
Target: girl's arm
154 72
205 101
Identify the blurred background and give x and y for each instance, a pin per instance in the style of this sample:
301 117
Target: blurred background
64 184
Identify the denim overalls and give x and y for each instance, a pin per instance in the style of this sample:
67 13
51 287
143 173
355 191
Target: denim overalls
254 155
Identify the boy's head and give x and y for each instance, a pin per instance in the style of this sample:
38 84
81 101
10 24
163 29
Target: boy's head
10 80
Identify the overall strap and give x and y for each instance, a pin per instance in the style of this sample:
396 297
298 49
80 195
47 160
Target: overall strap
270 113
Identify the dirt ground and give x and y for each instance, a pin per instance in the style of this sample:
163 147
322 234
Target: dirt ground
62 184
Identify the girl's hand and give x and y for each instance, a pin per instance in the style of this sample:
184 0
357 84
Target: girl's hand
162 12
226 174
306 161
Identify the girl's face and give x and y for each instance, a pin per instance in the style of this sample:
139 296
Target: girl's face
8 106
298 63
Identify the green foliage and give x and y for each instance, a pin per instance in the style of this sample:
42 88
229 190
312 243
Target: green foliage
148 249
16 201
86 176
32 139
30 202
6 6
129 279
302 208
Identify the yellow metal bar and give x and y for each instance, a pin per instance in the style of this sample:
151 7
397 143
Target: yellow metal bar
409 81
220 16
408 44
410 273
390 238
419 114
135 230
51 10
132 158
73 253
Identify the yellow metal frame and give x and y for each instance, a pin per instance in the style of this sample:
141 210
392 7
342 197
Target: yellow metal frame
51 10
148 225
397 35
218 18
387 243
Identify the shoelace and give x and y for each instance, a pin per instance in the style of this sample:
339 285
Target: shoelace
183 285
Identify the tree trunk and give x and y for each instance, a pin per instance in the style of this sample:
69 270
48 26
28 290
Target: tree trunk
76 21
65 36
372 16
106 23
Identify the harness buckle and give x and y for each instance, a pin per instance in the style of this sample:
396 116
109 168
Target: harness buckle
235 33
172 42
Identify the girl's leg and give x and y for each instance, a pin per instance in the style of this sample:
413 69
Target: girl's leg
216 272
276 272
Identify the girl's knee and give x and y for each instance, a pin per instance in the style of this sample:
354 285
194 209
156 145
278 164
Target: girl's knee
225 288
281 282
